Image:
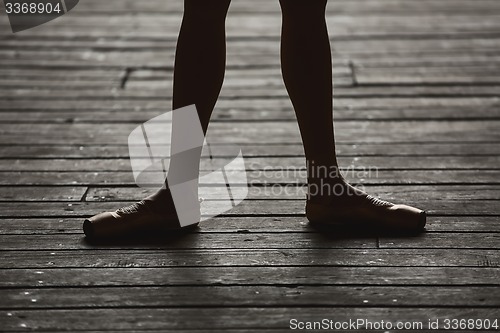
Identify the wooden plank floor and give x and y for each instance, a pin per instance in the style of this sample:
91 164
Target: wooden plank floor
417 87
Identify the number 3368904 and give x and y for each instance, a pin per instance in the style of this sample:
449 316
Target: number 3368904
32 8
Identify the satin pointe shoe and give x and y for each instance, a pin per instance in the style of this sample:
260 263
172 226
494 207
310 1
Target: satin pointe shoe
369 211
134 218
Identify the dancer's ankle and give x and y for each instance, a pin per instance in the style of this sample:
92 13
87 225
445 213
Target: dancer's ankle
330 189
161 201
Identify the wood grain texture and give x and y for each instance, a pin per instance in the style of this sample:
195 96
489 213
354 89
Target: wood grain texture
153 258
253 318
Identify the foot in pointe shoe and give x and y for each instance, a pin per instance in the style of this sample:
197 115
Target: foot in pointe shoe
153 213
354 205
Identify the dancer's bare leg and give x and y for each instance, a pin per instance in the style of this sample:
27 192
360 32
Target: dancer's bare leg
200 62
307 73
198 76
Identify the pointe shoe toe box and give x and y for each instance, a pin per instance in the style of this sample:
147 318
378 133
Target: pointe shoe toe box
111 224
396 217
103 224
404 217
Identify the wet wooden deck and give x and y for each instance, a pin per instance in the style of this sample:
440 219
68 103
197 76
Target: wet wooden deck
417 98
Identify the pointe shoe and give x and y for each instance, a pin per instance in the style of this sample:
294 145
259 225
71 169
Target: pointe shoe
136 217
370 211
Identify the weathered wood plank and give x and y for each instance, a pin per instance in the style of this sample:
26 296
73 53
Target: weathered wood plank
246 208
255 90
342 150
60 85
257 178
249 240
388 7
242 24
66 76
394 193
452 240
178 240
22 100
300 275
248 296
42 193
231 115
342 89
266 163
276 132
160 58
261 51
256 224
341 47
224 318
116 258
434 76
